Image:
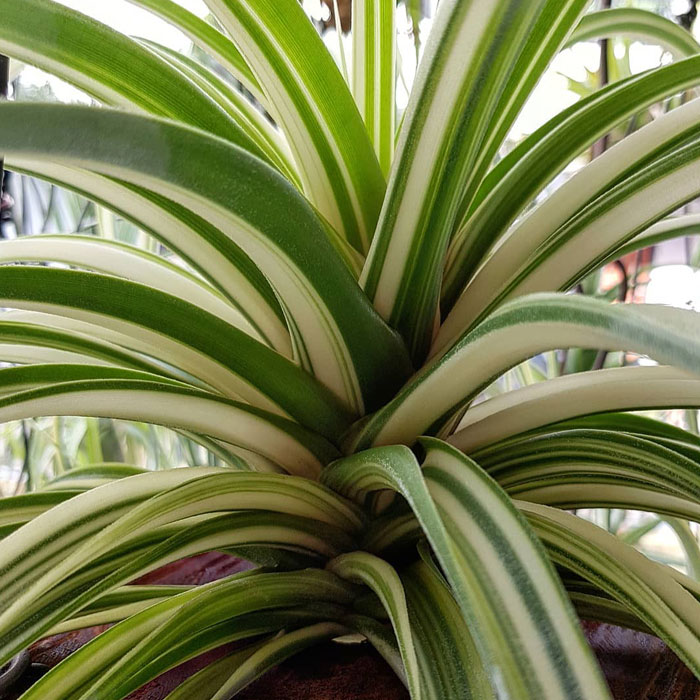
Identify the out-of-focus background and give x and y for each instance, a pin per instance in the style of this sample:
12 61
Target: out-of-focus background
33 452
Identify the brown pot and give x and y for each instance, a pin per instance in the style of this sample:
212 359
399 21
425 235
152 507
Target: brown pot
637 666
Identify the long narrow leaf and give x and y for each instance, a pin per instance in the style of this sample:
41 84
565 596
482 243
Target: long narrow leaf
274 652
311 102
518 330
382 578
374 73
624 573
570 396
129 262
202 34
242 110
516 180
471 57
632 185
347 345
447 657
635 24
202 607
184 335
491 575
280 440
102 62
209 251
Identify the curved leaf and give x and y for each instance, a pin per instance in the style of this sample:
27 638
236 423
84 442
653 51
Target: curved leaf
203 684
491 560
381 577
518 330
641 179
635 24
102 62
16 333
214 42
310 101
127 261
622 572
92 476
223 610
563 464
570 396
664 230
286 443
181 333
447 657
65 573
514 182
274 652
209 251
348 346
248 115
480 61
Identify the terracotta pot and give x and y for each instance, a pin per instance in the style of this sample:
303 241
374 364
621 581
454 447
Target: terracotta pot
637 666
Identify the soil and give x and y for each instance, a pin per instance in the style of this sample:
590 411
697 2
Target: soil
637 666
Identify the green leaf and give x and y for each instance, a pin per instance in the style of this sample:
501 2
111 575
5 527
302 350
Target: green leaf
310 101
184 626
515 181
374 73
518 330
575 468
664 230
103 62
635 24
126 261
185 336
574 395
347 345
527 460
491 559
209 251
553 24
506 559
632 535
22 341
248 115
60 567
208 38
203 684
448 661
382 638
480 61
92 476
625 574
17 510
114 607
22 378
274 652
679 439
280 440
689 543
629 187
603 609
382 578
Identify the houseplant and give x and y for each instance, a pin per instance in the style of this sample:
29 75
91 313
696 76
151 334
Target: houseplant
345 306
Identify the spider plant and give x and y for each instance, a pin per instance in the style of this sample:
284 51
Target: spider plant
348 296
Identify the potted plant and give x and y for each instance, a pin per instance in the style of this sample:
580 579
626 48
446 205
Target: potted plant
346 300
